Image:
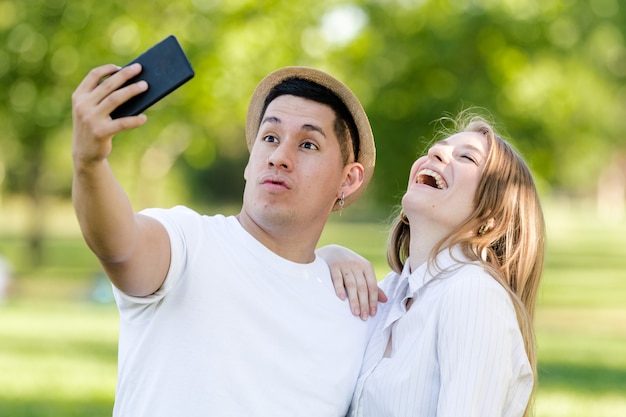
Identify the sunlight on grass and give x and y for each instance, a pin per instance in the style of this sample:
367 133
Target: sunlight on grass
57 352
579 287
565 404
579 356
581 317
58 348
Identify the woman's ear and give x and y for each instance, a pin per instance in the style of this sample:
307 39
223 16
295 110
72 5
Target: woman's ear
487 226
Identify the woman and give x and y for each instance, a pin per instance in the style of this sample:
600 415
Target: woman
467 249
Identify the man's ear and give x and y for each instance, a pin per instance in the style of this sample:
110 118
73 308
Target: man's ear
354 174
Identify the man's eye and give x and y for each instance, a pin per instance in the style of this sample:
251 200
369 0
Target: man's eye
309 145
270 138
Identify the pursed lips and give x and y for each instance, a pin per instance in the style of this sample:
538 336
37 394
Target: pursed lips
274 182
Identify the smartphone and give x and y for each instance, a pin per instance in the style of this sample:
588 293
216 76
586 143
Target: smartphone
165 67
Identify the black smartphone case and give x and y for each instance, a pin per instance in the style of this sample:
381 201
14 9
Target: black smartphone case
165 68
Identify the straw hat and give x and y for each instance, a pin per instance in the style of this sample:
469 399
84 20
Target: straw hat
367 148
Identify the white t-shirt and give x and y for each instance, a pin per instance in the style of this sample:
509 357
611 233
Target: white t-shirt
235 331
457 352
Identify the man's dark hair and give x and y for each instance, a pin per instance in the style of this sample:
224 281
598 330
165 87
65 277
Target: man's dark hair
344 123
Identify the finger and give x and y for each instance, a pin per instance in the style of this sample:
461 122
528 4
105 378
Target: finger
127 123
364 296
83 97
352 291
337 277
114 83
382 297
93 78
122 95
92 90
372 290
96 117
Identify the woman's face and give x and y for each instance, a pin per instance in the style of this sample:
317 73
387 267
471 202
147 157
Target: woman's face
442 184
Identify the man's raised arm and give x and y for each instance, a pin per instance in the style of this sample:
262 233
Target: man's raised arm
133 249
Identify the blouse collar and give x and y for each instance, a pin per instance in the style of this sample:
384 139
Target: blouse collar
447 261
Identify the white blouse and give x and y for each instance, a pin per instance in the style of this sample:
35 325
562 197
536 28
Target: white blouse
458 351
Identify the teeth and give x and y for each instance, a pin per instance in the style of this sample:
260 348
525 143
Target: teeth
424 175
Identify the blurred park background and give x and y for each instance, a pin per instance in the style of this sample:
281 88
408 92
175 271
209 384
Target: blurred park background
550 72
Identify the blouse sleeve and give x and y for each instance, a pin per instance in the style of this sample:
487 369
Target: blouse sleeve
479 338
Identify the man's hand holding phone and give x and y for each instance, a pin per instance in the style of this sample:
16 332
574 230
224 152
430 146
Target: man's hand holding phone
165 68
111 99
94 99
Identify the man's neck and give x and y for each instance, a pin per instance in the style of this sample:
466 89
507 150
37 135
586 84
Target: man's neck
292 242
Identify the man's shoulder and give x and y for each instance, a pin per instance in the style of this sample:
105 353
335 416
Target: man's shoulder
184 214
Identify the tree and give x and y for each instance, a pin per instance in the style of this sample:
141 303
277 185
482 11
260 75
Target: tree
550 72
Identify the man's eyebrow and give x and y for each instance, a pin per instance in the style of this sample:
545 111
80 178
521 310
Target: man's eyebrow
271 119
313 128
306 127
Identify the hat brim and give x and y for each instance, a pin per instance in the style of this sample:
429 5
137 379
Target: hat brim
367 148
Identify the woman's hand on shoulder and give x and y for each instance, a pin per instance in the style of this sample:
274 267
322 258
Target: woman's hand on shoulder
354 278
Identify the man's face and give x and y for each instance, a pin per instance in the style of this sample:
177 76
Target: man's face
295 169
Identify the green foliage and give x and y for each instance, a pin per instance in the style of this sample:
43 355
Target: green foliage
550 72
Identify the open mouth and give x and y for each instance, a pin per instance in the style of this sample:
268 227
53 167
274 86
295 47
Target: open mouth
431 178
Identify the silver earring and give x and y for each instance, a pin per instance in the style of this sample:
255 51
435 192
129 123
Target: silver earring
342 202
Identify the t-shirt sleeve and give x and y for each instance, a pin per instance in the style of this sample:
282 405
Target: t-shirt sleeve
177 221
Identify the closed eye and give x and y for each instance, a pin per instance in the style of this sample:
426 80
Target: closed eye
470 158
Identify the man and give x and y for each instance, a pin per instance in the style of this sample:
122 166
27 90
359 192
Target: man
231 316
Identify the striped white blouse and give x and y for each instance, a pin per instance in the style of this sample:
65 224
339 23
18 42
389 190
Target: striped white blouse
458 351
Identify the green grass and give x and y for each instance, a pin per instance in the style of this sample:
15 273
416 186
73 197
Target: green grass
58 347
58 358
581 317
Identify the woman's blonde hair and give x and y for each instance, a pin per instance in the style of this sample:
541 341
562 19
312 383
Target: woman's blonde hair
512 249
